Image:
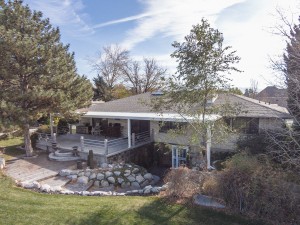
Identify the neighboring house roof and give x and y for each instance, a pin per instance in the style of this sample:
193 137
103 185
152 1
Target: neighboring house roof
253 108
273 95
136 106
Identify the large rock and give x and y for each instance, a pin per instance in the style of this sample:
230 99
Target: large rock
131 178
100 176
117 173
72 177
83 180
135 170
92 176
120 180
80 174
148 176
145 183
104 183
139 178
45 188
111 180
67 192
65 172
56 189
36 185
2 163
97 183
155 190
87 173
27 185
147 191
104 165
125 184
108 174
127 171
135 185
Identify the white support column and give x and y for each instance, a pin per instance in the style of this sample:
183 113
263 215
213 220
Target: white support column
54 137
51 125
129 132
82 143
208 147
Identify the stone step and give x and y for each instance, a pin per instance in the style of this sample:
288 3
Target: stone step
63 154
53 157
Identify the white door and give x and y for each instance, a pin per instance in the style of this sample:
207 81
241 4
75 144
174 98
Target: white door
179 155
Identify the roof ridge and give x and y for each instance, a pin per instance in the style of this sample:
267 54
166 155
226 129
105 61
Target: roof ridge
264 105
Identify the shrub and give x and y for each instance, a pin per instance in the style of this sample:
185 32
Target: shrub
256 188
254 144
44 129
183 183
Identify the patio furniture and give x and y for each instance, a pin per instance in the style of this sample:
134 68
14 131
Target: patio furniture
96 130
82 129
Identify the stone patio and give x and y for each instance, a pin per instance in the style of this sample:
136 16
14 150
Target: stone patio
35 169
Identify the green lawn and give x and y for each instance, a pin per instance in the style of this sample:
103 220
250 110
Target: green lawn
10 144
18 206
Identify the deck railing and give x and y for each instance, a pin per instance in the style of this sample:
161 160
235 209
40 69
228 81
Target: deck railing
105 147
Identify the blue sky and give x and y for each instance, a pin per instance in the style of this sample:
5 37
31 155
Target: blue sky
148 27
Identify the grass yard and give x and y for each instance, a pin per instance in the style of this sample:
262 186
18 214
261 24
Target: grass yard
11 145
19 206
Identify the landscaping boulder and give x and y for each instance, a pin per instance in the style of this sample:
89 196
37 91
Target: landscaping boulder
139 178
135 170
65 172
2 163
125 184
104 165
131 178
104 183
100 176
45 188
92 176
111 180
108 174
148 176
117 173
97 183
72 177
83 180
135 185
27 185
120 180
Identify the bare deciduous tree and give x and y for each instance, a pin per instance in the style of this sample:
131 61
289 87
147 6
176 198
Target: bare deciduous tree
144 78
110 64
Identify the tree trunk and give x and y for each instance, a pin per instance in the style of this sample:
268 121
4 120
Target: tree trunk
27 141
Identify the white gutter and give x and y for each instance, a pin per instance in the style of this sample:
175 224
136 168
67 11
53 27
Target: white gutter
147 116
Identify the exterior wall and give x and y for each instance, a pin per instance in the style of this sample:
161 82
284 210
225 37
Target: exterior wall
270 123
84 120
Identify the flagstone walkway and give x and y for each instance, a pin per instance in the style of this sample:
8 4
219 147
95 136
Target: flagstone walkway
35 169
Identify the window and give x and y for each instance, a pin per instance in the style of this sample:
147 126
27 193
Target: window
165 126
245 125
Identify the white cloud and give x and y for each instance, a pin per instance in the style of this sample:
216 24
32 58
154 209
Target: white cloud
64 13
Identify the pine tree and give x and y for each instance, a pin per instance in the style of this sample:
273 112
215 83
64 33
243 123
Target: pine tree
37 73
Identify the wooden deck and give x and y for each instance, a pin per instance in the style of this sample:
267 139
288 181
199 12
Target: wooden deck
99 144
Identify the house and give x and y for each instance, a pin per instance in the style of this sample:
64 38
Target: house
273 95
132 123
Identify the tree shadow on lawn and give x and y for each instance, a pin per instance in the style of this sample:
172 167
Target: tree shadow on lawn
161 211
106 215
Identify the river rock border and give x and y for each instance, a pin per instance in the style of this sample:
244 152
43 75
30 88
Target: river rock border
121 175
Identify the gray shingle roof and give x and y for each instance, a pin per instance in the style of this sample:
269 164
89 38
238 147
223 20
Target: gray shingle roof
137 104
252 107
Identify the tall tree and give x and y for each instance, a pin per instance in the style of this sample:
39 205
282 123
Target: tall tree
101 90
110 64
37 73
203 64
144 77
